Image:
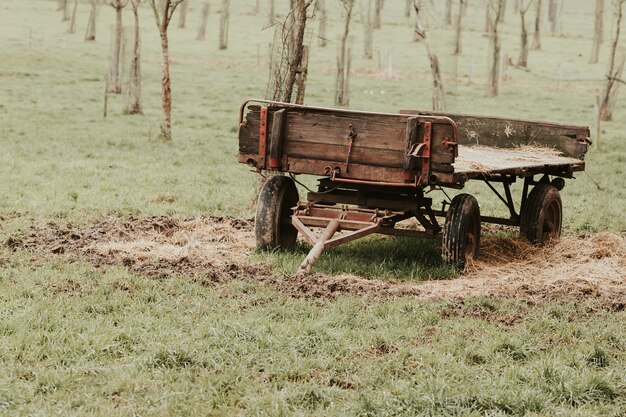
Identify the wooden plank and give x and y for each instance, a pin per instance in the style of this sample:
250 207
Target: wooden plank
276 138
509 133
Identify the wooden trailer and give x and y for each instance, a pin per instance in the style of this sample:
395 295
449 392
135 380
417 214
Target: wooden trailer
374 170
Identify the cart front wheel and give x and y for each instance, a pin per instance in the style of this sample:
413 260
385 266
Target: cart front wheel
542 215
272 225
461 236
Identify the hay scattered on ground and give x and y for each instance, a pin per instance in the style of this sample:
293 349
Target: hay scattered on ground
576 268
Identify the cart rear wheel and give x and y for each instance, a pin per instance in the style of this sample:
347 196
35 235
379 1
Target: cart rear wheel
542 215
461 236
272 225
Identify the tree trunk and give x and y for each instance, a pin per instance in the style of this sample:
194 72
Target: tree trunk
65 9
494 73
270 16
552 15
407 8
295 50
182 17
115 81
448 12
458 49
133 102
224 20
302 75
610 96
90 33
537 34
368 28
598 33
522 61
72 28
166 89
343 60
438 91
323 16
205 19
378 5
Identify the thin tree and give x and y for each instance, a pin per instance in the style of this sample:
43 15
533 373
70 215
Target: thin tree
90 33
368 28
378 7
537 34
115 82
495 10
323 18
293 50
204 21
343 60
448 12
614 74
182 15
224 23
63 6
458 48
598 32
522 61
553 10
72 28
270 14
133 99
163 16
438 91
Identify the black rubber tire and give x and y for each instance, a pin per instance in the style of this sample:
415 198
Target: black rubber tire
272 225
542 215
461 235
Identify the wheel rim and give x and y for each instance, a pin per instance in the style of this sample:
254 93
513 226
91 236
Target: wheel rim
551 222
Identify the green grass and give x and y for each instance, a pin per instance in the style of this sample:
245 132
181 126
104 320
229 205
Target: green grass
82 341
77 340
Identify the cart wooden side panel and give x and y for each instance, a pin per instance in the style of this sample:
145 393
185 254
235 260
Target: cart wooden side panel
348 145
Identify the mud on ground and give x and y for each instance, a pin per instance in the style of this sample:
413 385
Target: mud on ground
576 268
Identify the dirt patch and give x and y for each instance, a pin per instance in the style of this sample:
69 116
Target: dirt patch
217 248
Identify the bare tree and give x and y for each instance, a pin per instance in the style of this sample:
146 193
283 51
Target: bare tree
537 34
133 98
458 49
63 6
343 60
598 33
407 8
553 11
613 77
368 28
163 15
495 11
323 18
182 15
90 33
438 92
115 82
270 15
448 12
205 19
522 61
290 66
72 28
224 23
378 7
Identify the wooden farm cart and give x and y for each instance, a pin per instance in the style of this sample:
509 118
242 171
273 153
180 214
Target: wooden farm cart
375 171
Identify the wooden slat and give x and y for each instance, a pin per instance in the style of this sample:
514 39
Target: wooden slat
510 133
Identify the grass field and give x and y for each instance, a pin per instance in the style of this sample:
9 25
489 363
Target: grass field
84 340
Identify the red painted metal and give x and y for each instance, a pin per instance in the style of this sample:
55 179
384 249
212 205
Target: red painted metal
263 137
428 127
